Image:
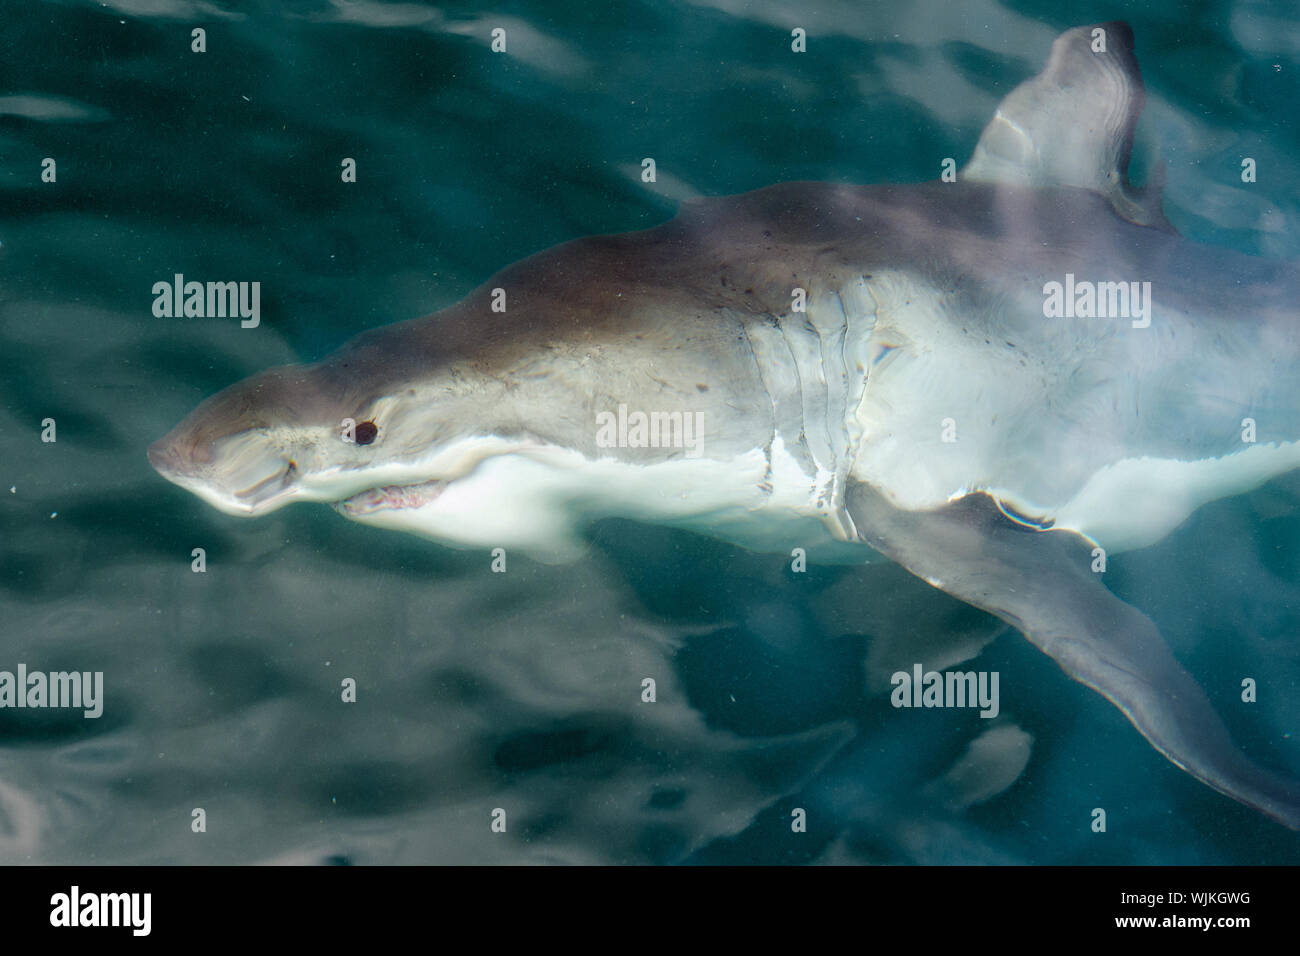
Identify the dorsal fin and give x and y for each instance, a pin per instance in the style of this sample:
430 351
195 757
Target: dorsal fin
1072 125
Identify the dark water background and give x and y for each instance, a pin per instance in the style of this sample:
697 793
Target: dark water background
521 690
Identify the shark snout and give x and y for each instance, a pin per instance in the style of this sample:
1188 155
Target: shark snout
239 474
185 450
166 457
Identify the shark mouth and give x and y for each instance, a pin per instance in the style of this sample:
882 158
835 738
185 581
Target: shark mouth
392 498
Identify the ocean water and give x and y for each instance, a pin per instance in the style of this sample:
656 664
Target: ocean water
522 691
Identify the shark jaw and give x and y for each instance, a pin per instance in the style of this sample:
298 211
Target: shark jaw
490 491
539 500
398 497
256 472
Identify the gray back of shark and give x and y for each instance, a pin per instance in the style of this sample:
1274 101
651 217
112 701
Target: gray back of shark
991 381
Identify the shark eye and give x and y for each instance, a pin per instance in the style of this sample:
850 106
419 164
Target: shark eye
366 432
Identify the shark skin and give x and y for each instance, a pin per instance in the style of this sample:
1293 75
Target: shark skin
870 371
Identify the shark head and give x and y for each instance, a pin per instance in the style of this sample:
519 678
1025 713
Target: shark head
396 431
257 445
336 432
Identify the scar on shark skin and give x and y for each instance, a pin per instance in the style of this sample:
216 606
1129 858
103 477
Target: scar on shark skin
820 428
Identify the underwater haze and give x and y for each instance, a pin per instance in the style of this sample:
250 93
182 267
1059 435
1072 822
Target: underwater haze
482 696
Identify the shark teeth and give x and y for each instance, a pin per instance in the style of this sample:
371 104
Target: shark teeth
393 497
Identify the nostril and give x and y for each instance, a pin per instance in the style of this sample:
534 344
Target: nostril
200 452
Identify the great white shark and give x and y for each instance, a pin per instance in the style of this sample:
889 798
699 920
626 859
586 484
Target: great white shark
995 381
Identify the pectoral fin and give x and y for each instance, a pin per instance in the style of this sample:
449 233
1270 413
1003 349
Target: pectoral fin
1041 583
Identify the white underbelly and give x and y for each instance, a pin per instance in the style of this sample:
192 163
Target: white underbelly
1136 502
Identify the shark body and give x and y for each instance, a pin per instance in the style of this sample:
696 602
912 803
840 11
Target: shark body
856 370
